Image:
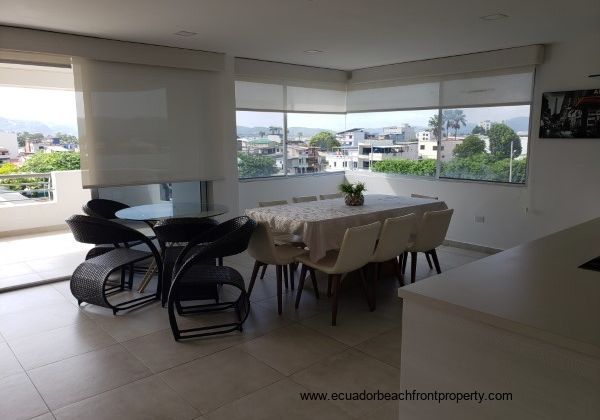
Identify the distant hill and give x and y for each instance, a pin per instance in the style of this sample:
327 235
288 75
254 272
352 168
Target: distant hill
17 126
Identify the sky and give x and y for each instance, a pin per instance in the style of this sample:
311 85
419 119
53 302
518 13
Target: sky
373 119
50 106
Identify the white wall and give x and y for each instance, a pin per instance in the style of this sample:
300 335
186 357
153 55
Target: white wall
279 188
9 141
69 196
562 188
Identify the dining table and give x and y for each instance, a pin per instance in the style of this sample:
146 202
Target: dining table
152 213
322 224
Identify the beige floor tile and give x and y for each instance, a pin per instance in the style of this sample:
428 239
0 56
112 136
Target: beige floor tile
309 304
39 319
15 269
353 326
385 347
47 416
19 399
58 344
351 371
71 380
292 348
280 400
128 325
220 378
388 411
66 261
9 283
149 398
9 365
159 351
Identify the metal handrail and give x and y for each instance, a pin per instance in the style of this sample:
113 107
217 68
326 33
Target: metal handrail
26 191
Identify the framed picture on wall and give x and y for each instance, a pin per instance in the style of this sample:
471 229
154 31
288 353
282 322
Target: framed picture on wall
571 114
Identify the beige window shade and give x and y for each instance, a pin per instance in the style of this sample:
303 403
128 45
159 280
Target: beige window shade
145 124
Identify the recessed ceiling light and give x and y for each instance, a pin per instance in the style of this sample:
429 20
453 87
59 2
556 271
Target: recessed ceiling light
313 51
185 33
495 16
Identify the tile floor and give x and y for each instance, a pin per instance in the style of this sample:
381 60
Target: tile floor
31 259
58 360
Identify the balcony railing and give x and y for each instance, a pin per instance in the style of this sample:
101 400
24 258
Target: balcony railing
24 188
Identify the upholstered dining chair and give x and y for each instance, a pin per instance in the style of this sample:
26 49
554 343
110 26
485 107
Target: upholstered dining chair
330 196
424 196
304 199
432 232
271 203
262 248
355 252
393 241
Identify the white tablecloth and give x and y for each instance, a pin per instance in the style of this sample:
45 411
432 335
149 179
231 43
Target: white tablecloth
322 224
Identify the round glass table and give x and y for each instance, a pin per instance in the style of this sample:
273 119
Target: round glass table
168 210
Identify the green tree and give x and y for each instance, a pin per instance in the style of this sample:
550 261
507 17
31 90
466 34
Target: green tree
478 130
434 125
501 137
455 119
252 166
8 168
471 145
324 140
66 138
423 167
47 162
25 135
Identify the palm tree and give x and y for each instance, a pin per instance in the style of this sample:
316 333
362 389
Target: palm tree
455 119
261 134
434 125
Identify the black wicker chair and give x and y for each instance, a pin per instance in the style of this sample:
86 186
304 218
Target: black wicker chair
173 234
91 281
196 270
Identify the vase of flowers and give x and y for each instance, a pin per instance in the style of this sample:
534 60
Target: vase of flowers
353 193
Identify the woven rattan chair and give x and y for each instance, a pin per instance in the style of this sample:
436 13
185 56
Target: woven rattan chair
91 281
173 235
196 270
107 209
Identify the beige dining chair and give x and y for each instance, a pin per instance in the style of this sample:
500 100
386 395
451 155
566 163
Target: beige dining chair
262 248
393 241
355 252
424 196
272 203
330 196
304 199
431 234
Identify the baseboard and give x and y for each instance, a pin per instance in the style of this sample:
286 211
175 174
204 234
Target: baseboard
472 247
33 231
34 284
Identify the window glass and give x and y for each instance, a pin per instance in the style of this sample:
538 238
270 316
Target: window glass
259 144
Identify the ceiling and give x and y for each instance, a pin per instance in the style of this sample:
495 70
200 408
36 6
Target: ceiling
351 33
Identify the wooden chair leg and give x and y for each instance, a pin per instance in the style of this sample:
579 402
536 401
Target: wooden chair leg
220 261
368 289
398 271
404 261
262 275
285 275
413 266
253 277
329 285
291 275
336 292
313 277
436 262
300 285
279 291
428 260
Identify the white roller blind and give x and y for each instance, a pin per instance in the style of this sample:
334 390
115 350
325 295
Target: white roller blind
488 90
283 97
378 97
144 124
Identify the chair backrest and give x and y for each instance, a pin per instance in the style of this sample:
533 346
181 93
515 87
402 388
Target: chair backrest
271 203
304 199
330 196
237 231
393 239
182 229
105 209
433 229
423 196
96 230
262 246
357 247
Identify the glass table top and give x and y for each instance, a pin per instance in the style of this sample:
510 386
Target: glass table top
168 209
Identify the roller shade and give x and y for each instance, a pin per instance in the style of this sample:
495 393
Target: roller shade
143 124
379 97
